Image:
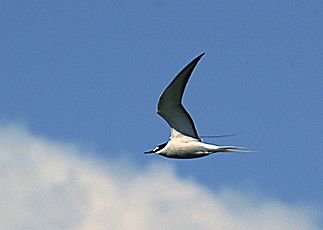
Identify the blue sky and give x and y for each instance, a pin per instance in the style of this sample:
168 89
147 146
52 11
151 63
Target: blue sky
91 73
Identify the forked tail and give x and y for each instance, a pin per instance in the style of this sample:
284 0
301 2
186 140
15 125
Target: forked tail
232 149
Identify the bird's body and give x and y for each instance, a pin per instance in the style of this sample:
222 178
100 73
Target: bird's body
181 146
184 142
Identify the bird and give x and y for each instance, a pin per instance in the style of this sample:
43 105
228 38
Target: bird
184 141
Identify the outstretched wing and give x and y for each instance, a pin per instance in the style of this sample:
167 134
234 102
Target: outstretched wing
170 103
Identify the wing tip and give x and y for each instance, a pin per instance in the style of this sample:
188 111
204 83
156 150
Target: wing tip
196 60
200 56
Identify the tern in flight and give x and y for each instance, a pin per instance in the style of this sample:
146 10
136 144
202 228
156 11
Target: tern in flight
184 142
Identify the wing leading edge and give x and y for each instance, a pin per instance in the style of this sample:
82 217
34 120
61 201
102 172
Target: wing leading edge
170 102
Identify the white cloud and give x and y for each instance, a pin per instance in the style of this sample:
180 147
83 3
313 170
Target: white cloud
48 185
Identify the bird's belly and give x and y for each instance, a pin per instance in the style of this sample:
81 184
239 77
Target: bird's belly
185 150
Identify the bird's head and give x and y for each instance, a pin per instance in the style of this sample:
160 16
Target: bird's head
157 148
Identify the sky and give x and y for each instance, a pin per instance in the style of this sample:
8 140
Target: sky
78 92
